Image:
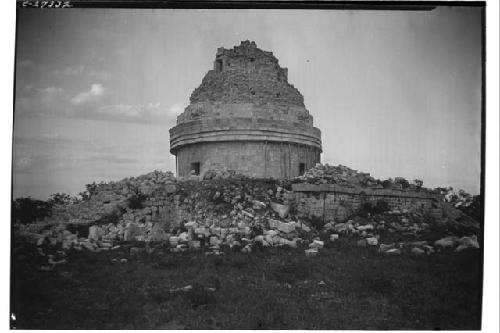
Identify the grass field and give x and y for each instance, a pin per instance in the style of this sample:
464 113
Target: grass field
344 287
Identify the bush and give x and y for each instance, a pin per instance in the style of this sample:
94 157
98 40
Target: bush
136 201
386 183
317 222
27 210
113 217
60 199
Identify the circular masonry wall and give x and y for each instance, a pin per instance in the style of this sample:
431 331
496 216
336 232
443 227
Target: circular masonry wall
255 159
246 116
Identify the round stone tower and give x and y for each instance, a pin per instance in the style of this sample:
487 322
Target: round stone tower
247 117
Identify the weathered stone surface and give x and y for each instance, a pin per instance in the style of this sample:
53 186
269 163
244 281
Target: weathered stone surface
282 226
245 116
95 232
282 210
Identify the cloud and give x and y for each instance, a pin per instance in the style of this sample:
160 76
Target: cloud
24 162
81 70
94 94
26 63
51 91
69 71
150 112
176 109
39 101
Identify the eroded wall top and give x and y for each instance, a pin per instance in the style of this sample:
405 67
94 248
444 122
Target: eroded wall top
246 82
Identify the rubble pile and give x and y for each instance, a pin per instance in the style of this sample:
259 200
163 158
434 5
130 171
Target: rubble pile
341 175
412 235
345 176
223 173
235 214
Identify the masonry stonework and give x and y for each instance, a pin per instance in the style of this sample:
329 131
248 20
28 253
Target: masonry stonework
336 203
245 116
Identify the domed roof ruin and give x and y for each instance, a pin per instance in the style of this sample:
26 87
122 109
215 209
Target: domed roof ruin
245 116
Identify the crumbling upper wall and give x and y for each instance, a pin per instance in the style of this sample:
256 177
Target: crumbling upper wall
246 74
250 82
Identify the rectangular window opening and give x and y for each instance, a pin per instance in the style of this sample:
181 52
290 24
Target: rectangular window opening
195 168
302 169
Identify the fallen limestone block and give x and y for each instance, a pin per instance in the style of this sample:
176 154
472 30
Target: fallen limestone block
269 239
88 246
132 230
258 204
304 227
202 231
259 239
311 252
157 233
316 244
56 262
184 237
41 240
173 241
215 231
365 227
270 233
105 244
334 237
282 210
386 247
284 241
428 249
446 242
467 243
372 241
393 251
246 249
247 214
66 245
214 240
330 226
471 241
191 225
417 251
282 226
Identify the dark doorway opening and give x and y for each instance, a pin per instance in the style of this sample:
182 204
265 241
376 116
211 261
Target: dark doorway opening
218 65
195 168
302 169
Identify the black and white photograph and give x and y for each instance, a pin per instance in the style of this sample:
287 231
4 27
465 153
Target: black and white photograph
249 166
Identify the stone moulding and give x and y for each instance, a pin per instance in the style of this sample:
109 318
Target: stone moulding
180 138
304 187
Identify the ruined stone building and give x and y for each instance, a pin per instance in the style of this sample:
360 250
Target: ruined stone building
247 117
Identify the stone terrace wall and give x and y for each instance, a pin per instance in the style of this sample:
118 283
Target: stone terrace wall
333 202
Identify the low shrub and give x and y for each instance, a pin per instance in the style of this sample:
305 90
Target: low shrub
136 201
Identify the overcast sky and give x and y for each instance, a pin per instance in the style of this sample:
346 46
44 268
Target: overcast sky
394 93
